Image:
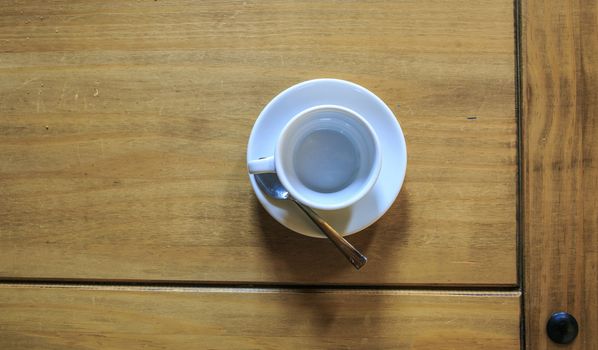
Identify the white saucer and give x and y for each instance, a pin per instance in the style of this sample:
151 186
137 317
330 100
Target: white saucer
343 93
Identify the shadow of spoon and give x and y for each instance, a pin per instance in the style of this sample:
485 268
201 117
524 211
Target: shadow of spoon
271 185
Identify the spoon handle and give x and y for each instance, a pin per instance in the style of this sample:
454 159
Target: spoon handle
348 250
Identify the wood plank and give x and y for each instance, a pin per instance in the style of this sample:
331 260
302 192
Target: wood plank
53 317
124 127
560 171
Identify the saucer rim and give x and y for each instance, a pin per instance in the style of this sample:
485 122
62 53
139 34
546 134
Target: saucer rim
398 185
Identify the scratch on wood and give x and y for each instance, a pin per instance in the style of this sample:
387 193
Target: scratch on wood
62 94
25 83
235 14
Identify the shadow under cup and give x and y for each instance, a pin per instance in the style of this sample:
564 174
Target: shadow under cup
330 156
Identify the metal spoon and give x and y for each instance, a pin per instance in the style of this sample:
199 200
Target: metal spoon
270 184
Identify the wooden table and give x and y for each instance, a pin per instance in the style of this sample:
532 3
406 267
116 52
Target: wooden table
127 218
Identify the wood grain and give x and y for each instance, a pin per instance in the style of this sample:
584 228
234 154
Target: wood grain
124 127
560 172
212 318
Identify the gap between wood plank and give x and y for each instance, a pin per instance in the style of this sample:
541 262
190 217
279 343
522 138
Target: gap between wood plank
266 289
519 201
182 285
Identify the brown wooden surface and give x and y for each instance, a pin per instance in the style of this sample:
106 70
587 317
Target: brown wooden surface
124 127
33 317
560 169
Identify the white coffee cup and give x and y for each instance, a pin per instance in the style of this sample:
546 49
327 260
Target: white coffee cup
327 157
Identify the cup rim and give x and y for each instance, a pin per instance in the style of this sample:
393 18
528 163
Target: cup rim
373 176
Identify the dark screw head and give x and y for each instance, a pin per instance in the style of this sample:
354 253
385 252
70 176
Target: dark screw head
562 327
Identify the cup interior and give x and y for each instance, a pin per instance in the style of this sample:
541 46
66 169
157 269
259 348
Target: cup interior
328 157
